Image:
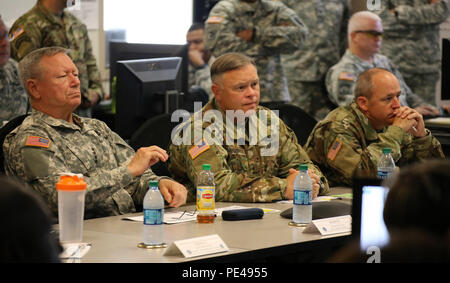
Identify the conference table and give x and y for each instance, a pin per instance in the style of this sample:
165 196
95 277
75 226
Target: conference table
114 239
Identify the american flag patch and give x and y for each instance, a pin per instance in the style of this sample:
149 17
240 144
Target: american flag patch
334 150
346 76
197 149
215 20
37 141
15 34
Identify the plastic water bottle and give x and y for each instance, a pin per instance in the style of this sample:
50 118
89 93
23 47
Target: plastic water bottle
206 193
153 233
302 210
386 165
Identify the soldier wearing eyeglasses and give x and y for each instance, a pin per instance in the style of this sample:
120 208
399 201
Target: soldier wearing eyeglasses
365 31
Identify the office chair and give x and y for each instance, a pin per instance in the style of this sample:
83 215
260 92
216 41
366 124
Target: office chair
155 131
4 131
298 120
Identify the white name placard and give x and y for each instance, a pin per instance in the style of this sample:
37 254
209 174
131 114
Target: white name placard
332 225
197 246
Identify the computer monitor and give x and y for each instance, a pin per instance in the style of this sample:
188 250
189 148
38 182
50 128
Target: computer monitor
145 88
119 51
445 68
368 224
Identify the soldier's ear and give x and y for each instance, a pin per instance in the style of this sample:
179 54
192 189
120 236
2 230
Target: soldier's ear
363 103
33 88
216 89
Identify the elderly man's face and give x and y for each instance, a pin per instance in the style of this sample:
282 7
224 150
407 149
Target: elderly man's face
59 86
238 89
4 45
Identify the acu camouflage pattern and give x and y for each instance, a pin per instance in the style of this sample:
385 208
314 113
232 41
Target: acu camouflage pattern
241 173
340 90
13 98
88 147
201 77
362 146
44 29
411 40
306 68
276 30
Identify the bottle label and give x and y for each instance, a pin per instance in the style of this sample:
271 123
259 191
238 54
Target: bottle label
205 198
384 174
302 197
153 216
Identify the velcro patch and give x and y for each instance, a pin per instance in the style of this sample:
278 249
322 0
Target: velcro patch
334 150
199 148
16 33
37 141
346 76
215 20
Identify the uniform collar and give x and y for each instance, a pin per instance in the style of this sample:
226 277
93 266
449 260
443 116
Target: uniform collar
369 132
53 122
49 15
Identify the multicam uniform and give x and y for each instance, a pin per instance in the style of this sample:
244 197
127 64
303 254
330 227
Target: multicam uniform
201 77
344 145
341 79
276 30
40 28
44 147
306 68
13 98
411 41
242 172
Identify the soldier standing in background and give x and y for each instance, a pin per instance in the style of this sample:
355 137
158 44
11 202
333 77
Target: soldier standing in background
411 41
13 98
46 25
306 68
262 30
348 143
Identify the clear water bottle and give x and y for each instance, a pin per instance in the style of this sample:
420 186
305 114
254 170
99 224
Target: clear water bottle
302 210
153 233
206 193
386 165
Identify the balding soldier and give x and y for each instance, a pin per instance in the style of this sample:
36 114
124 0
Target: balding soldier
262 30
364 36
48 24
13 98
411 41
306 68
246 169
348 143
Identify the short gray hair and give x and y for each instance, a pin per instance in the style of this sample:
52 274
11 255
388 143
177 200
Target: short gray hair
364 83
29 65
228 62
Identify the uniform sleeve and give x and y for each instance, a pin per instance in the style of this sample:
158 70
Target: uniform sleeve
95 83
339 84
426 147
424 14
203 79
41 168
25 38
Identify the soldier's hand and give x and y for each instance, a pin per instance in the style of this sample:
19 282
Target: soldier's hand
315 179
289 193
246 35
410 121
427 110
196 58
146 157
173 192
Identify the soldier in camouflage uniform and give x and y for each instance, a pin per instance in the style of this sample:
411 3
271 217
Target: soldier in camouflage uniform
200 59
306 68
244 171
348 143
39 27
262 30
52 141
13 98
411 41
365 30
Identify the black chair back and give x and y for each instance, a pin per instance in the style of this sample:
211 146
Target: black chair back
4 131
298 120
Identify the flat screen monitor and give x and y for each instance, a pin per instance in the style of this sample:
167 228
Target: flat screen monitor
145 88
368 224
119 51
445 67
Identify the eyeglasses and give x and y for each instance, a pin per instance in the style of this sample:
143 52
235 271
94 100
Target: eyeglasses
372 33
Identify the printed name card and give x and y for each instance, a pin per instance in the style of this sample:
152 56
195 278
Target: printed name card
329 226
197 246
